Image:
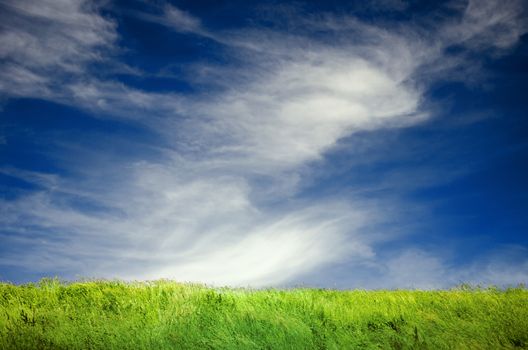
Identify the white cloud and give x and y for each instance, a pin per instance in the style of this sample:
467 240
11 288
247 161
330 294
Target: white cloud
411 267
489 24
201 230
50 38
298 111
172 17
181 20
416 268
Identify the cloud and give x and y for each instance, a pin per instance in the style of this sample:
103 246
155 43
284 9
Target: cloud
412 267
219 202
181 20
300 110
50 38
172 17
489 24
416 268
203 230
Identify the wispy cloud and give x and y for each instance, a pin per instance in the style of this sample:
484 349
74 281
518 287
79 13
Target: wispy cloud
488 24
43 44
219 202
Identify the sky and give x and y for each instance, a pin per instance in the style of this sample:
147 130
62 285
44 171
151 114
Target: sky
335 144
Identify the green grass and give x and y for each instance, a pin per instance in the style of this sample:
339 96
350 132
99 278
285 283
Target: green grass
168 315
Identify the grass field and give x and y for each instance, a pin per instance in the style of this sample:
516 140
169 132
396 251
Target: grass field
168 315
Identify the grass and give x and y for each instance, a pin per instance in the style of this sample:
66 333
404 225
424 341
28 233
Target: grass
169 315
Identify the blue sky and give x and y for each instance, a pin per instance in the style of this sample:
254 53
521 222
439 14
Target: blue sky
377 144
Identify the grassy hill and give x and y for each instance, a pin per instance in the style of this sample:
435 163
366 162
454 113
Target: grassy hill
169 315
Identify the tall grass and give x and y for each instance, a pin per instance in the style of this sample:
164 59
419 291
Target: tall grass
169 315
